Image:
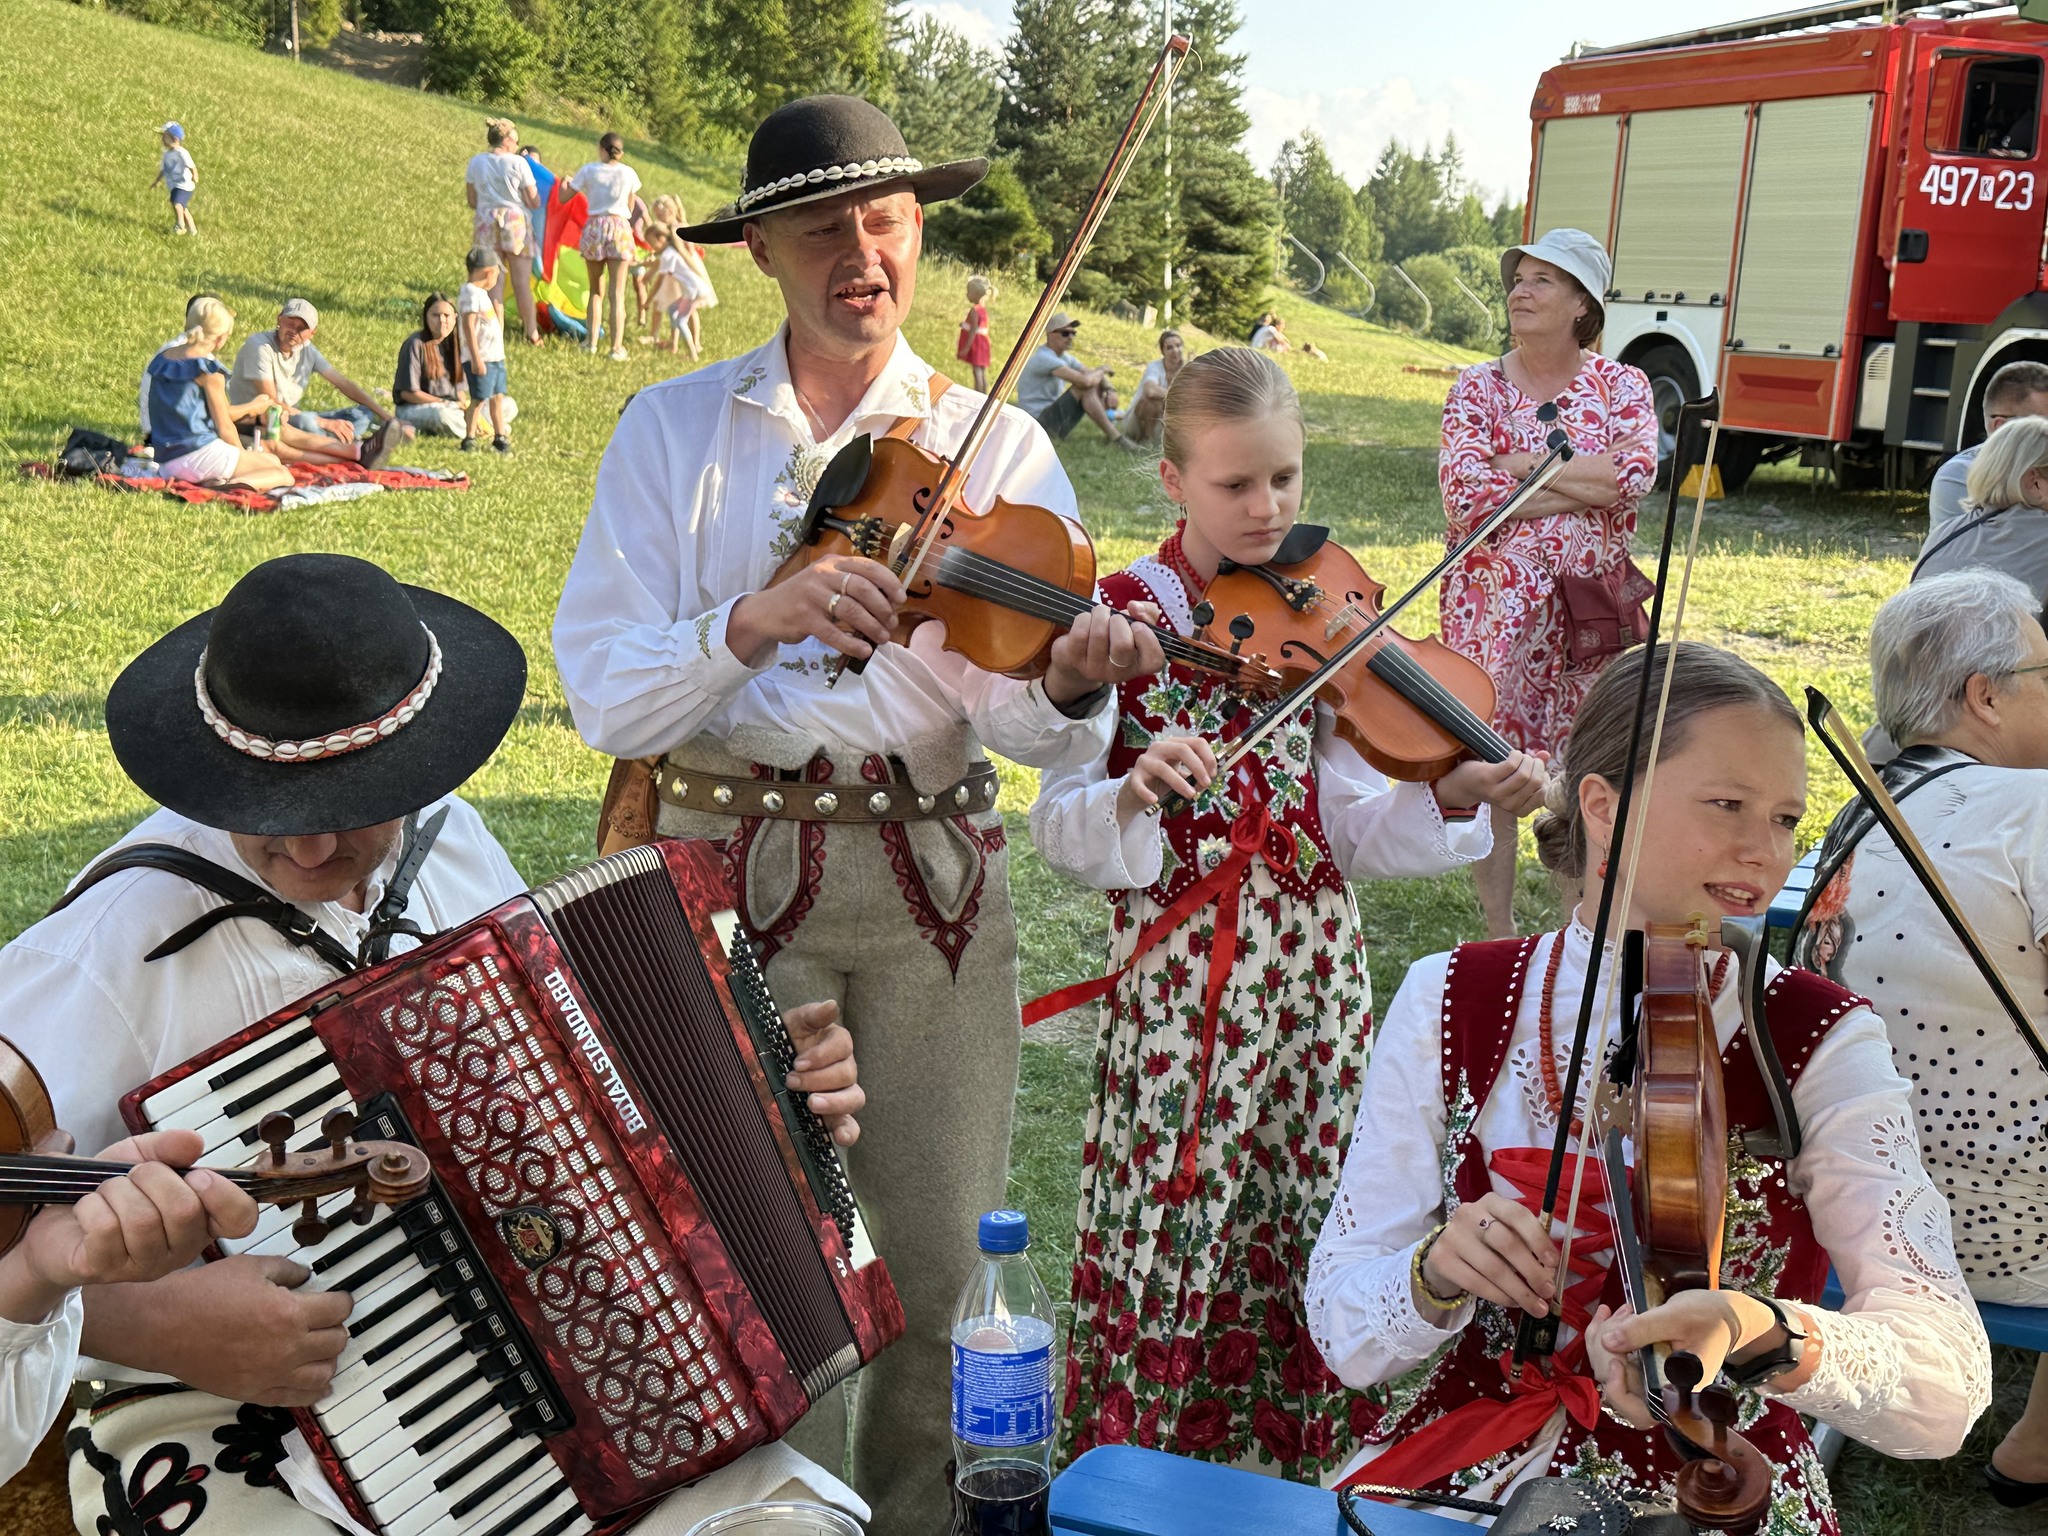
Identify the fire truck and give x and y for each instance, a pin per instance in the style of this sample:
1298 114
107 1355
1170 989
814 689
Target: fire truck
1833 215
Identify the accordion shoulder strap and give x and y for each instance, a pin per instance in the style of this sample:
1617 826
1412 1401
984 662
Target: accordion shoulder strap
243 898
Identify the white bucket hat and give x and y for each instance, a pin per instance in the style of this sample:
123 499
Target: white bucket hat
1575 252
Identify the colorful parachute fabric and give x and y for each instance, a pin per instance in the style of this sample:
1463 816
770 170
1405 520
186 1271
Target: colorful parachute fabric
561 281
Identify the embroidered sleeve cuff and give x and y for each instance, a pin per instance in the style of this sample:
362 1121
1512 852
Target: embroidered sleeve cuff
1857 1376
1460 836
703 655
1139 846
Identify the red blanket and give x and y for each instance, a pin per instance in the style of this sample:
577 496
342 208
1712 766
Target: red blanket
264 501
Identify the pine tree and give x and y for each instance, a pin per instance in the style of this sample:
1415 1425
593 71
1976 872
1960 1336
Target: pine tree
942 90
1323 213
775 51
1071 76
1224 210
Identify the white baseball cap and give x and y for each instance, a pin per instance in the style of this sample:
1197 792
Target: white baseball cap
1572 250
299 309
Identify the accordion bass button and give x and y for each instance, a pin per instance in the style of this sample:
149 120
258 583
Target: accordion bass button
722 795
771 801
878 804
827 804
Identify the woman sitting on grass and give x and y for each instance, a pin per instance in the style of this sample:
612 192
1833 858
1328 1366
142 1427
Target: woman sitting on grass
189 420
426 392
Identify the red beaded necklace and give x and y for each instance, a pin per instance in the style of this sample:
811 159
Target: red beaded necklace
1546 1057
1175 559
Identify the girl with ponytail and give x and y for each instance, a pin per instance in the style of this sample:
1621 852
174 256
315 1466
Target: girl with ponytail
1234 1020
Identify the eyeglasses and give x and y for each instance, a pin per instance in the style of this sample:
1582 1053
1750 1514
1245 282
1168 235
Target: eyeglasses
2039 666
1069 331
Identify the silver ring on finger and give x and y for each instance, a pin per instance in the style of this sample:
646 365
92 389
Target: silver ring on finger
845 581
832 607
1485 1222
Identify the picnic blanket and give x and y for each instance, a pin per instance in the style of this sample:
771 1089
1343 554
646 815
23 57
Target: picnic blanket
313 484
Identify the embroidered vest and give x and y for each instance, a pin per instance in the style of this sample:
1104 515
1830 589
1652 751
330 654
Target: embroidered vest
1770 1246
1281 775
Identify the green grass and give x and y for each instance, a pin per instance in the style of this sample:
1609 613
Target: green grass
350 194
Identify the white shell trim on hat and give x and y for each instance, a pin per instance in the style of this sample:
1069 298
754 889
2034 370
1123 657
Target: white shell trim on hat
896 165
353 739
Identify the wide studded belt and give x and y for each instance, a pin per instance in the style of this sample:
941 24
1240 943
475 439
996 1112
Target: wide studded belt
795 800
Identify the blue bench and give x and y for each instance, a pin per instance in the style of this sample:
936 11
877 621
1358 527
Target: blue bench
1120 1490
2016 1327
1784 908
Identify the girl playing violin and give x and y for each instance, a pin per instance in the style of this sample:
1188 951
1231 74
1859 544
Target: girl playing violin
1225 1089
1432 1240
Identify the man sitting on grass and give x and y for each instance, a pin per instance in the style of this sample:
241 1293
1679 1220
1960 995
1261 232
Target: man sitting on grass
1057 391
273 369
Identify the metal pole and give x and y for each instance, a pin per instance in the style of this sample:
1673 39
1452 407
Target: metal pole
1167 306
295 31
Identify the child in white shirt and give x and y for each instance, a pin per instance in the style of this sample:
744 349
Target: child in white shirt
480 333
137 1227
180 176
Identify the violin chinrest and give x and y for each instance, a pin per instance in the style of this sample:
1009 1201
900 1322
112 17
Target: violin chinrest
842 480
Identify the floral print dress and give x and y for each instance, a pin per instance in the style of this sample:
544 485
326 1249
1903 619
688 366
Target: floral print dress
1499 605
1223 1101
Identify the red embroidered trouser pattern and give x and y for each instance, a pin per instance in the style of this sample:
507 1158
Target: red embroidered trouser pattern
1187 1330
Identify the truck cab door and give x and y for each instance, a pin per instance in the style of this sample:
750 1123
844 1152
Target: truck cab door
1967 236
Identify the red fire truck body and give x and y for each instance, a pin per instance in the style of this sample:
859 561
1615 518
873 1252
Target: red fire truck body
1834 217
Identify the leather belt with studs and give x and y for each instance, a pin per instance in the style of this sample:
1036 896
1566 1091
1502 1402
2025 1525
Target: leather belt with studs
790 800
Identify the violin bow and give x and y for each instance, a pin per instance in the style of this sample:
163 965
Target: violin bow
1537 1336
954 480
1283 708
1847 751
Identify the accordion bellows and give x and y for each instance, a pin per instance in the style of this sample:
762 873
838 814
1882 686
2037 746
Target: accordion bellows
597 1076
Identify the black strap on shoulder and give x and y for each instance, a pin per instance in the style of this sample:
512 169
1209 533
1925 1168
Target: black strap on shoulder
243 897
1950 537
1910 771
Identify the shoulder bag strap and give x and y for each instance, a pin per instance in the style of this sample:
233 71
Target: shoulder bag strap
1950 537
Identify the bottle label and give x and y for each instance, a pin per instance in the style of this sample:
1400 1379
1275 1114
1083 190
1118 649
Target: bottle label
1002 1399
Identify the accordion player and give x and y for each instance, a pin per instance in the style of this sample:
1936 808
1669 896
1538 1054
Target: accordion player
639 1258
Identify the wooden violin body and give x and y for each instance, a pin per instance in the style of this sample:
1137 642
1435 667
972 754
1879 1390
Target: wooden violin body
28 1123
899 488
1669 1237
1414 709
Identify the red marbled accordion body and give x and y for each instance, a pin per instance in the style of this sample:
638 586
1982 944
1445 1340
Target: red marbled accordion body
563 1055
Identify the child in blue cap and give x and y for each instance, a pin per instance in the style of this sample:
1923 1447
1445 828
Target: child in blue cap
179 176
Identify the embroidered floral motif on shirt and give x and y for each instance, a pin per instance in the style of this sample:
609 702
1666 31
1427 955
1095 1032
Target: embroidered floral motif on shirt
1458 1117
744 384
794 483
920 402
1749 1260
704 623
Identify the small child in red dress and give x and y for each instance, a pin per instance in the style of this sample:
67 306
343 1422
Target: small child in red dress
972 348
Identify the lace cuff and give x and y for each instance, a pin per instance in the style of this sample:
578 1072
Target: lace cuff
1362 1315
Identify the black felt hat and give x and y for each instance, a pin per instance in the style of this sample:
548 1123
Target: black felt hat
320 696
828 146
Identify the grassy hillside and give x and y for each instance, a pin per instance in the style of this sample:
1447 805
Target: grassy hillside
349 193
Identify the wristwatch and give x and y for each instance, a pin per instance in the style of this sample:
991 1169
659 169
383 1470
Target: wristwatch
1766 1367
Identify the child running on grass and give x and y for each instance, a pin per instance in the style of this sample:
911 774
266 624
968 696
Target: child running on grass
1233 1037
680 286
180 176
481 326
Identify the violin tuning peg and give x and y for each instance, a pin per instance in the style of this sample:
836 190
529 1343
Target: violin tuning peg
1241 630
1683 1371
276 1128
337 1128
310 1229
1204 614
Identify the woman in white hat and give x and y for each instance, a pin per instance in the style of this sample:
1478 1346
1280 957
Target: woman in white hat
1549 598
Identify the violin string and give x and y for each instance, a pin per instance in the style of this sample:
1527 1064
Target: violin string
981 576
1625 894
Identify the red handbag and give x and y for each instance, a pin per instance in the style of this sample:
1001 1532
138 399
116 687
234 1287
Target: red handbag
1605 614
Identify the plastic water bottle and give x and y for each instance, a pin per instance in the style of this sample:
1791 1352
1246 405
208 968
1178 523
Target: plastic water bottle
1003 1421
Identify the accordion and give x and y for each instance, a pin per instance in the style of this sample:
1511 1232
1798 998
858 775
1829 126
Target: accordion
639 1257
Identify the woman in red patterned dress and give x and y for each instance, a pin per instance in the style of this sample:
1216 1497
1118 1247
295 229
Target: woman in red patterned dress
1432 1245
1500 604
1224 1096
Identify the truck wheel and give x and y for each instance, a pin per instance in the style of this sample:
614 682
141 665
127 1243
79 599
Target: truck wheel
1738 454
1672 383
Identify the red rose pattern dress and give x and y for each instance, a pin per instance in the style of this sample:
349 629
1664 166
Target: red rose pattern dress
1199 1208
1499 605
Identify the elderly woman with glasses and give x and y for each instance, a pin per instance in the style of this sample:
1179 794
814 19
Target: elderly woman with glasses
1959 667
1550 597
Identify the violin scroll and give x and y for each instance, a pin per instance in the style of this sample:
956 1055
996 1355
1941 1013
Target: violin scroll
381 1172
1725 1484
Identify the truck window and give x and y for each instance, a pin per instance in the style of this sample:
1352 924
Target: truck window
1984 104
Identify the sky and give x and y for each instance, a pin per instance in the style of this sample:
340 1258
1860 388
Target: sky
1361 72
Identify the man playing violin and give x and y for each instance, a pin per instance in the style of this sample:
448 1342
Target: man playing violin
857 808
305 739
1433 1239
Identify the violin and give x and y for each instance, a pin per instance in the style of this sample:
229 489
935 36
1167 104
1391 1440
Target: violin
35 1170
1415 710
1009 579
1669 1228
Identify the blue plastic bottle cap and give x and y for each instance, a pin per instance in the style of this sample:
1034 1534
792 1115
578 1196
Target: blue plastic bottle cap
1004 1232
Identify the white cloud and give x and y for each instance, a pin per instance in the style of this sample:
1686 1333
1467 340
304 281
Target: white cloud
1356 123
977 26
